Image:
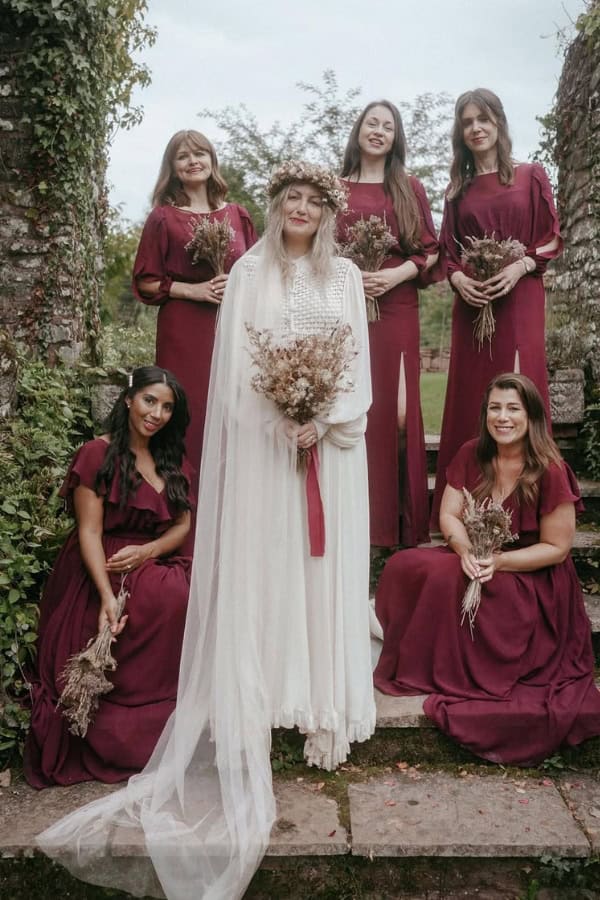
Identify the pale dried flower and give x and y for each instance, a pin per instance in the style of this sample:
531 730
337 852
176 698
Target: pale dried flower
211 241
296 170
488 527
482 259
84 679
369 241
302 375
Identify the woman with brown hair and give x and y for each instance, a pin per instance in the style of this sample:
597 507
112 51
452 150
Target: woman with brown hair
491 195
379 185
189 188
523 683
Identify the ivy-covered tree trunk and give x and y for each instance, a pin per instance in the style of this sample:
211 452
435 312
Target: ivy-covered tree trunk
66 77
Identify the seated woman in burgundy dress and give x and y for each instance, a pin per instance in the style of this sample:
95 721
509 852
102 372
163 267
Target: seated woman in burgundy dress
524 684
130 494
189 188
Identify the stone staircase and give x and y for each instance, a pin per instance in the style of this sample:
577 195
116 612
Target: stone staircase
411 815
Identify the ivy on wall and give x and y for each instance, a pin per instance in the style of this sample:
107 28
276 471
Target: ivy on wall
74 72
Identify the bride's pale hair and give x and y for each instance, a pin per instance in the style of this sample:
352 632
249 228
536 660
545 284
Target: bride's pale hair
324 248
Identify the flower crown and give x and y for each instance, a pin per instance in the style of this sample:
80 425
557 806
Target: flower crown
334 193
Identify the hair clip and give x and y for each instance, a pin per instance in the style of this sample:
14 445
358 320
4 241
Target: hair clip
130 380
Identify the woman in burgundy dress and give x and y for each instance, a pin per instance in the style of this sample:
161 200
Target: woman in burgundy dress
379 185
491 195
189 187
130 494
524 683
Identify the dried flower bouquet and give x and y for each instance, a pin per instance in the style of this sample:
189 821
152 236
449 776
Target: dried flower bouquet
368 245
211 241
302 375
488 526
84 678
482 259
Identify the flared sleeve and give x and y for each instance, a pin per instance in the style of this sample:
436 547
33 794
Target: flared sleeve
463 470
150 260
429 240
345 423
545 225
248 229
83 469
559 485
450 247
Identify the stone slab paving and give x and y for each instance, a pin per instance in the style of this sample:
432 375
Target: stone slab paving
472 816
592 608
25 812
401 712
585 542
582 794
307 820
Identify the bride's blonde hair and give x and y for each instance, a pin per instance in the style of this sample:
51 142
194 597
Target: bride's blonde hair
324 248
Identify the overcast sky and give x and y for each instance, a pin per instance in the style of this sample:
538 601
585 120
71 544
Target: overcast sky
215 54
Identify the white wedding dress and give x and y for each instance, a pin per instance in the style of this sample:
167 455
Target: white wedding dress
274 636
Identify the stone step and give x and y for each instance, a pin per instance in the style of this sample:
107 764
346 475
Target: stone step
478 831
590 490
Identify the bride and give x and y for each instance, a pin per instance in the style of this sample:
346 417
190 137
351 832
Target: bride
274 636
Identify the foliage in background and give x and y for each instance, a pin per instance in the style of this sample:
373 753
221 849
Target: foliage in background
120 245
319 134
75 75
35 449
435 316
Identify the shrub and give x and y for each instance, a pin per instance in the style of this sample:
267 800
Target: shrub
35 450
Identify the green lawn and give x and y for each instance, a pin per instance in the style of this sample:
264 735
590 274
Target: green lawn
433 391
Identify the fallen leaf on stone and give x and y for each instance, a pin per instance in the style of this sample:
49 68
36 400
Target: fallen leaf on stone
547 783
299 780
5 778
319 786
390 783
402 766
390 802
463 773
595 812
524 800
331 833
521 791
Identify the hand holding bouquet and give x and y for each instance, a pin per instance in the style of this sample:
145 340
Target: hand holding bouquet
84 678
369 241
488 526
303 375
483 259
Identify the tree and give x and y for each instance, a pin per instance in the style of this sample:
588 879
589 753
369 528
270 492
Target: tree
249 152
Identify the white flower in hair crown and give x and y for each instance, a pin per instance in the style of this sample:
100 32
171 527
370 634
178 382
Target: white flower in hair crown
334 193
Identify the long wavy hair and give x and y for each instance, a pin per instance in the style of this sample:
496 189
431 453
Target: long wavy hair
396 182
540 451
324 247
168 189
462 170
166 446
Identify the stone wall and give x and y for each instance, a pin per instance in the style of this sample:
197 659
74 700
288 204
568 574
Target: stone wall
42 253
574 295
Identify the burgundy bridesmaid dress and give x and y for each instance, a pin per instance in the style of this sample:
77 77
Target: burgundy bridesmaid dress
132 716
524 684
525 212
398 499
185 331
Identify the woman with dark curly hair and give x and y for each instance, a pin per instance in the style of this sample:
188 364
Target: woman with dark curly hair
129 491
